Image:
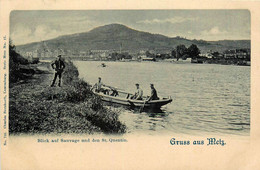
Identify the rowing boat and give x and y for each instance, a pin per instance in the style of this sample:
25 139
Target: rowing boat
123 98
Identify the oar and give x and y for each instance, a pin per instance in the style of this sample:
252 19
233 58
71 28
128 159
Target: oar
131 104
142 107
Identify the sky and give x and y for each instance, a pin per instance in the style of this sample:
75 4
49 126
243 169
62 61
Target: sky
34 26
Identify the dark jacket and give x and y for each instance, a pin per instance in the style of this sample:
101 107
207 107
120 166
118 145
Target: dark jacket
153 95
59 65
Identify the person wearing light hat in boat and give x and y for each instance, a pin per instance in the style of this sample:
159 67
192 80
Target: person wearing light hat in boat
138 94
153 94
98 86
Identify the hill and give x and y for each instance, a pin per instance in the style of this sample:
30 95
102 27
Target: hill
111 37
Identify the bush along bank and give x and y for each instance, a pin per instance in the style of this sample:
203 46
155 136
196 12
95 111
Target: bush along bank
35 107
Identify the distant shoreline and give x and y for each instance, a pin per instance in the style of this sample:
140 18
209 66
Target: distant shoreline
173 61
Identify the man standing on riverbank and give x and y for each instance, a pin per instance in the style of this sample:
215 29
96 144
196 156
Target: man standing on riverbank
59 66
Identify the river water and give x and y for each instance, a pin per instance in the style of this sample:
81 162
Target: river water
207 98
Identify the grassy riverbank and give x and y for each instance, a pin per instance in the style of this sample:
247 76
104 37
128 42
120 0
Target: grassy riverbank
35 107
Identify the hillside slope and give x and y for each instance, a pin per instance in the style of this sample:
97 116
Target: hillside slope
111 37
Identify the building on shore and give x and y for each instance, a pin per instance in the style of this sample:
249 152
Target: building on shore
242 54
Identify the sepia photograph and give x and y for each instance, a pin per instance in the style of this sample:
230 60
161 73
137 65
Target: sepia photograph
123 72
129 84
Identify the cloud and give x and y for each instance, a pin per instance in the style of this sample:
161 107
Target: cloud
52 28
214 31
20 33
40 31
173 20
23 34
43 32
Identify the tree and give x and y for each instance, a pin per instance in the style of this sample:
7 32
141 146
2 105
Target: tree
173 53
15 59
14 56
193 51
148 54
181 50
215 54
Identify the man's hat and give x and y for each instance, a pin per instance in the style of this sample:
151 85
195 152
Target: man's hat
137 84
59 55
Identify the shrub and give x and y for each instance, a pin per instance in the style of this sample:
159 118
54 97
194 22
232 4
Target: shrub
70 73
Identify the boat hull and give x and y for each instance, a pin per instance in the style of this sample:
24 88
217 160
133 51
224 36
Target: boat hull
154 104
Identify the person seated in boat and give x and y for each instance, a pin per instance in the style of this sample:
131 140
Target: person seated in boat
138 94
153 94
114 92
98 87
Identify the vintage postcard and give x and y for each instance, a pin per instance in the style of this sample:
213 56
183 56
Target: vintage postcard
129 85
